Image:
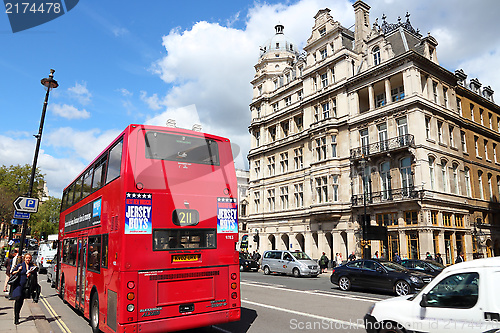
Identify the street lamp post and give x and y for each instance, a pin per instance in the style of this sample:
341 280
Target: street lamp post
364 242
49 83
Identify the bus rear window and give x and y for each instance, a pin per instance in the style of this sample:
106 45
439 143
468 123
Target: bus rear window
181 148
174 239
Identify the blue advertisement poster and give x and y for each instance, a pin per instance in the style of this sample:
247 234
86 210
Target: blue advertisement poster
138 211
227 215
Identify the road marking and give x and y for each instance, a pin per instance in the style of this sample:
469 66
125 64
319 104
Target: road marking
250 282
54 314
221 329
317 292
338 321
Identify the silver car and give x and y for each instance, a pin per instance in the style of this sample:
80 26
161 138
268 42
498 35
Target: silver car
286 262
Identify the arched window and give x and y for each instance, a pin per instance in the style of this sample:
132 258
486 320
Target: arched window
431 171
455 178
385 180
443 176
376 55
467 181
480 181
406 177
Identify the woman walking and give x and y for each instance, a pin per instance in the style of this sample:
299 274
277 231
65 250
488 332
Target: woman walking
8 264
26 269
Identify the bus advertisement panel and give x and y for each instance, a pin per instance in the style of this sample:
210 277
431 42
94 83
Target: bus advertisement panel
148 233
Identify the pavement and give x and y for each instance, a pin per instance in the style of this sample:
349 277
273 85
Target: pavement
32 319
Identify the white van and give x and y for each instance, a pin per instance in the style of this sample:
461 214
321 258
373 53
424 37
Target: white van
464 298
295 263
45 256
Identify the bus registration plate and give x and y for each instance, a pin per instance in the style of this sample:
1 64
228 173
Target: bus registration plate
185 257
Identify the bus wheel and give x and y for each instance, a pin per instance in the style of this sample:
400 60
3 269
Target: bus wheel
94 313
63 285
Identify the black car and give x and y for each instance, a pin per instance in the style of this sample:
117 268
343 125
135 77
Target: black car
427 266
380 275
247 263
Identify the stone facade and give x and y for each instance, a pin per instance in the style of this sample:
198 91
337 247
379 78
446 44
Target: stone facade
367 123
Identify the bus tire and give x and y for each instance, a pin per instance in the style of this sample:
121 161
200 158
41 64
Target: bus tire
94 313
62 292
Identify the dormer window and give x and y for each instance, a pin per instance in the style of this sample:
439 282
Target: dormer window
376 55
323 53
322 32
277 46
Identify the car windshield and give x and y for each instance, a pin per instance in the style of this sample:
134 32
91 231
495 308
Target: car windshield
300 255
435 265
392 266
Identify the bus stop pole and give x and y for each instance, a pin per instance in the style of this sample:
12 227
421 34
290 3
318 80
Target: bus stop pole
50 84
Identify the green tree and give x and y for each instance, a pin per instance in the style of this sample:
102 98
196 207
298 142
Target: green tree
14 182
47 219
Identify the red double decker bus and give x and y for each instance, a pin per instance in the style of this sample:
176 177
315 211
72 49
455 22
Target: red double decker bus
148 233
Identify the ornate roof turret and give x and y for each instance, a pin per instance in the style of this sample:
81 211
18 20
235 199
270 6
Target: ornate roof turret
390 27
279 42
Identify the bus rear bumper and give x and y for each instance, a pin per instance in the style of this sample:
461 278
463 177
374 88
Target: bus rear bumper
183 322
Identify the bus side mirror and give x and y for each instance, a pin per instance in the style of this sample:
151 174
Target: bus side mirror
424 301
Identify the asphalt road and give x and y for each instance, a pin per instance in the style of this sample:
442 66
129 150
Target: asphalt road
271 303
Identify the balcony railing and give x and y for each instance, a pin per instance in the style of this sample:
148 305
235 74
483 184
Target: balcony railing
386 196
385 146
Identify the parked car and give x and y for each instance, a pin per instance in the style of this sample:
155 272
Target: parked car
428 266
287 262
379 275
45 256
247 263
463 298
52 272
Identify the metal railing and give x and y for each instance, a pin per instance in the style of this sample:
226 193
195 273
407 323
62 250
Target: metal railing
402 141
386 196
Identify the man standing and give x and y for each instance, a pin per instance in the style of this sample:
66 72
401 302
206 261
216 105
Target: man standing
397 258
438 259
352 256
460 258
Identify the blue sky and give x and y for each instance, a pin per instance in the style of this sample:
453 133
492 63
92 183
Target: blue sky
146 61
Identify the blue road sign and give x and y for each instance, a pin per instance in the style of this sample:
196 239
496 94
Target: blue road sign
16 222
21 215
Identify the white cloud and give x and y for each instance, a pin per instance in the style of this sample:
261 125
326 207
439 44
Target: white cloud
125 92
69 111
84 145
119 31
80 93
153 101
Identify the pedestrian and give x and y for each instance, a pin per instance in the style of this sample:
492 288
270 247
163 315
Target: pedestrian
428 256
438 259
338 259
352 256
8 266
257 256
15 260
375 256
397 258
460 258
323 263
26 269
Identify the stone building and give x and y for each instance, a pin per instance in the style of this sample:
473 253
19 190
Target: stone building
367 123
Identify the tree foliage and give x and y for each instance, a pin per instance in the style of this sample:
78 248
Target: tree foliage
47 219
14 182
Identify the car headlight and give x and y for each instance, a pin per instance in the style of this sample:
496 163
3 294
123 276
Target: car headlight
247 262
415 279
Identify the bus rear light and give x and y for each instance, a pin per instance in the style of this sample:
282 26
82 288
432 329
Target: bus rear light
234 276
131 296
130 285
130 307
234 285
234 295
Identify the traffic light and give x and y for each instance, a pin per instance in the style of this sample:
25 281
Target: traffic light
14 229
255 238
